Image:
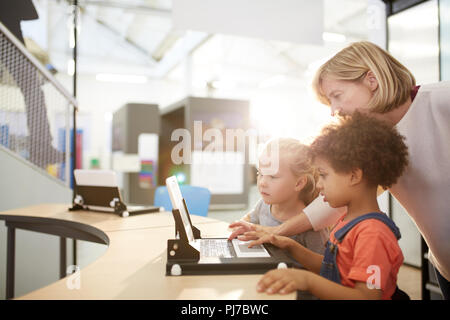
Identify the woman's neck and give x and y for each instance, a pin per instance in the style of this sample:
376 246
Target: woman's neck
394 116
364 203
287 209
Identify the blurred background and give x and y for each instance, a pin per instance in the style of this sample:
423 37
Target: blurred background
140 69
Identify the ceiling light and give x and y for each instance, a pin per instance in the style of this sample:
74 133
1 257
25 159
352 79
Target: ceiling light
222 84
272 81
124 78
333 37
71 67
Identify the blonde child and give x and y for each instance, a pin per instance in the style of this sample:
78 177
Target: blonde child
286 180
362 257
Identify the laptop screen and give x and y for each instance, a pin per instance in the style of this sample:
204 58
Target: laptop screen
177 203
97 188
101 178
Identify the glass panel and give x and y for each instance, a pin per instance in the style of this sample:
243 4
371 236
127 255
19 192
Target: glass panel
413 40
444 11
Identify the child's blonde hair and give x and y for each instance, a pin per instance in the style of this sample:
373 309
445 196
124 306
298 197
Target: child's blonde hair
352 63
300 164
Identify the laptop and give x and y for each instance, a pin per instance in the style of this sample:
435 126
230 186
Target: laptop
98 190
219 255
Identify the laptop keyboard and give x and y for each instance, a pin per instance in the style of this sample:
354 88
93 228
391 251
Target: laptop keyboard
216 248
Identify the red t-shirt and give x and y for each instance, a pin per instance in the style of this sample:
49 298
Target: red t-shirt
369 253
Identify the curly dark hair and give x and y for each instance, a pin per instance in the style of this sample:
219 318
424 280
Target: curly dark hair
361 141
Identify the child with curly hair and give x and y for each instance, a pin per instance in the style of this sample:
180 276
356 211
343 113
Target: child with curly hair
362 255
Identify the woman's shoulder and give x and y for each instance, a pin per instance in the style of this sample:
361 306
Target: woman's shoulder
431 104
439 92
436 86
439 99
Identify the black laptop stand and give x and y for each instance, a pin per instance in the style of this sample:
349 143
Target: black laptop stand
183 259
101 196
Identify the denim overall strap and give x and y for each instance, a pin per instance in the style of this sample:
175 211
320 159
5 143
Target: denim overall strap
329 268
340 234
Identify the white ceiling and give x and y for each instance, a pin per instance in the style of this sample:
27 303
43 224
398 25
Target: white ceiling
136 37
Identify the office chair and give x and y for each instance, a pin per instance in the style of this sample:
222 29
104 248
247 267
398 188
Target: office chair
197 199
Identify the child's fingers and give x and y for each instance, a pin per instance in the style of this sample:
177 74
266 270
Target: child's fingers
276 286
242 224
235 224
265 281
264 239
235 233
244 237
268 279
277 281
288 288
249 235
241 227
256 242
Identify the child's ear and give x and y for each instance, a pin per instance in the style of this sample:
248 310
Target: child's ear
356 176
301 183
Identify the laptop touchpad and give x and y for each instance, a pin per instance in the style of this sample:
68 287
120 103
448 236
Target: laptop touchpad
242 249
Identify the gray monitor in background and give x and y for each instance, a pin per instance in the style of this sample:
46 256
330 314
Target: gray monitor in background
131 125
215 113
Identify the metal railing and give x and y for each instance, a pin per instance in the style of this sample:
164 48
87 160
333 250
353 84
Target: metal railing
36 111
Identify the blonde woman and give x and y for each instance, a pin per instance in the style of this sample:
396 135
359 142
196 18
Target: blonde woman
287 183
366 78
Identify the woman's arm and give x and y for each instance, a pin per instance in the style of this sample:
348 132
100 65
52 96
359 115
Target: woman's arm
249 231
317 215
295 225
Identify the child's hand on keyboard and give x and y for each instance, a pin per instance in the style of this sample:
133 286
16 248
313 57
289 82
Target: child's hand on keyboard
278 241
253 235
240 227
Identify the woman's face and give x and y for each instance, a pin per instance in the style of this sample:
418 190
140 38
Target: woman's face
347 96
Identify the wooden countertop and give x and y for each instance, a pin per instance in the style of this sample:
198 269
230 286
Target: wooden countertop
133 266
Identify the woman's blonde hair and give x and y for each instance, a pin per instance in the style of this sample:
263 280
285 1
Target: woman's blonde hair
300 163
352 63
